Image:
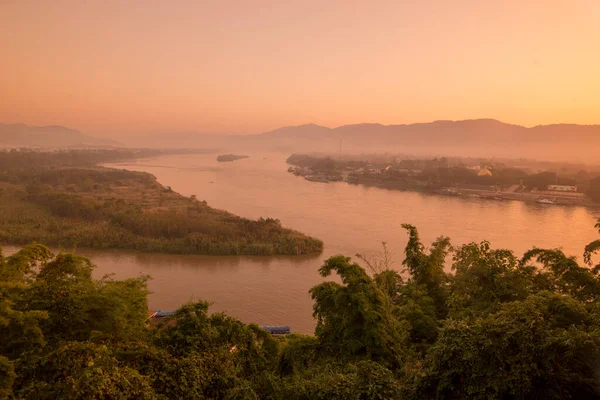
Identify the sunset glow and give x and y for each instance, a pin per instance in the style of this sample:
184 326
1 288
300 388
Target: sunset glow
113 67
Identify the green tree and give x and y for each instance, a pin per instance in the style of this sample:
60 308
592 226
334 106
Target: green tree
20 327
355 319
562 274
428 269
80 307
7 378
484 278
241 355
541 180
544 347
594 189
591 249
419 310
363 380
79 370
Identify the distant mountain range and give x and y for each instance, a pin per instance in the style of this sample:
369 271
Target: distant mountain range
479 138
53 136
450 136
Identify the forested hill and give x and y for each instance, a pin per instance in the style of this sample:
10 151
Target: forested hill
54 136
492 327
63 199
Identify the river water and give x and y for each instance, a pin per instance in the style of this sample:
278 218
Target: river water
349 219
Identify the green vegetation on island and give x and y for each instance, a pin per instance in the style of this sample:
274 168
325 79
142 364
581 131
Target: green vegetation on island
230 157
64 199
494 326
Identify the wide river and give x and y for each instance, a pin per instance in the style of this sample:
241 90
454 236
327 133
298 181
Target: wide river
349 219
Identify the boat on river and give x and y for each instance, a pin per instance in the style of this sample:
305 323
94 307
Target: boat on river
545 201
277 330
160 314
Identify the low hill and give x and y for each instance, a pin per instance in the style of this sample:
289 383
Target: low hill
52 136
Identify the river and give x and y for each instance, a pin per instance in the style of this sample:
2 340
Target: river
349 219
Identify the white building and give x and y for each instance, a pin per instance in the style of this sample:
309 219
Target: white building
562 188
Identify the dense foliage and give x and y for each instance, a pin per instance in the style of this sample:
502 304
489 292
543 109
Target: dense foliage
26 162
66 335
63 199
491 326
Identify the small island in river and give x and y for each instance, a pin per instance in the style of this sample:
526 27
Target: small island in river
230 157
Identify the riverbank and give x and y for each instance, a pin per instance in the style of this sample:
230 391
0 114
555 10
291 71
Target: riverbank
539 197
104 208
439 177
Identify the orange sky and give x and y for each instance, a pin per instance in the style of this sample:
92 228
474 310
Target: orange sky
128 67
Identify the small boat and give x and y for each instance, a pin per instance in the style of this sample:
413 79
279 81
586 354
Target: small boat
161 314
449 191
155 318
545 201
277 330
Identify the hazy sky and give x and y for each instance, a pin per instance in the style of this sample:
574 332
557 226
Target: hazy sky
129 67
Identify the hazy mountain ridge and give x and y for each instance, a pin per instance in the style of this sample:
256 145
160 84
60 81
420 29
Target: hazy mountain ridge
475 137
479 137
21 135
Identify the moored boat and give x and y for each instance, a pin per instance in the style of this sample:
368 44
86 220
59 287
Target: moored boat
277 330
545 201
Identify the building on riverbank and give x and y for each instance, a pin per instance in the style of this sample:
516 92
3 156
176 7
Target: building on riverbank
484 172
562 188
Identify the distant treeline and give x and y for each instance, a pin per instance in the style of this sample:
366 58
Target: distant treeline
32 160
64 200
441 172
493 326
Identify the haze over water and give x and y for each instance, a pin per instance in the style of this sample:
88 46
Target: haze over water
349 219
